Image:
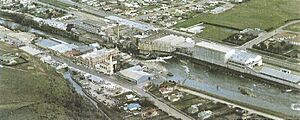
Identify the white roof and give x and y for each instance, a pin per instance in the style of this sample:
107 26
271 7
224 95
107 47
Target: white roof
243 57
135 73
62 48
30 50
176 41
97 53
215 46
23 36
280 75
134 24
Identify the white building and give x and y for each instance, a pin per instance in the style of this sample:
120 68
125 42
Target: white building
167 43
245 59
213 53
136 74
101 60
225 56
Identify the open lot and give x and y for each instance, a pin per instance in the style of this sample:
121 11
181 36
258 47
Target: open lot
215 33
34 91
263 14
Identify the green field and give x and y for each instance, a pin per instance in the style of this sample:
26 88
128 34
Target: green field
32 91
264 14
215 33
294 27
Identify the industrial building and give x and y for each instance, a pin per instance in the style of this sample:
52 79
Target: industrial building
244 59
79 51
225 56
213 53
136 74
56 45
167 43
101 60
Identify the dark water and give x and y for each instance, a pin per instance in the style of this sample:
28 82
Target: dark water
77 87
266 95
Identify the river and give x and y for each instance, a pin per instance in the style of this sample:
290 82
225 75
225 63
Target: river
267 96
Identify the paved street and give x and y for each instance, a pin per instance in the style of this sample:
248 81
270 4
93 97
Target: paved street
164 107
265 36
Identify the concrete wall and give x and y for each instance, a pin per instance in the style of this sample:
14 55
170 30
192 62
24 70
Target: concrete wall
211 56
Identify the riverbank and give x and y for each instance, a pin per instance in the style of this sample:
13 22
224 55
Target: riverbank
34 91
247 74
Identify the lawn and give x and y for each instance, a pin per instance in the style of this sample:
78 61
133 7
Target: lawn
264 14
294 27
215 33
39 93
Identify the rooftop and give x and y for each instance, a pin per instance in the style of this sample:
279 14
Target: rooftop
243 56
135 73
46 43
281 75
137 25
178 41
214 46
133 106
97 53
31 50
62 48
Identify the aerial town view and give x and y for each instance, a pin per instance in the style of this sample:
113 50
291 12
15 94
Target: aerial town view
149 59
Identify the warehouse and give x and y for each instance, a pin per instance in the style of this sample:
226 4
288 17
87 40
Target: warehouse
136 75
245 59
46 43
225 56
168 43
213 53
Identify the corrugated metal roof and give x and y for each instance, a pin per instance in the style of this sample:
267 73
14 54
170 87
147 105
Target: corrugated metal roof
46 43
243 56
281 75
176 41
134 24
135 73
62 48
214 46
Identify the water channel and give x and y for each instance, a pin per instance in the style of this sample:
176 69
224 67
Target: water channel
267 96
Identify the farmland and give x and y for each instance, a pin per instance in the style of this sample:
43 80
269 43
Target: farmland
264 14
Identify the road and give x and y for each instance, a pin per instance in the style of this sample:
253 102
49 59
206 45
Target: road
265 36
158 103
229 103
164 107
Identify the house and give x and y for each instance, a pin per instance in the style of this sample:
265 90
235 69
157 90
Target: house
174 97
193 109
205 114
149 113
131 97
133 107
166 90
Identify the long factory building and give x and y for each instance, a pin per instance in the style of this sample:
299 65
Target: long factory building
243 62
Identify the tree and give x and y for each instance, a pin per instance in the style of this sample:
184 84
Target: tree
263 46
